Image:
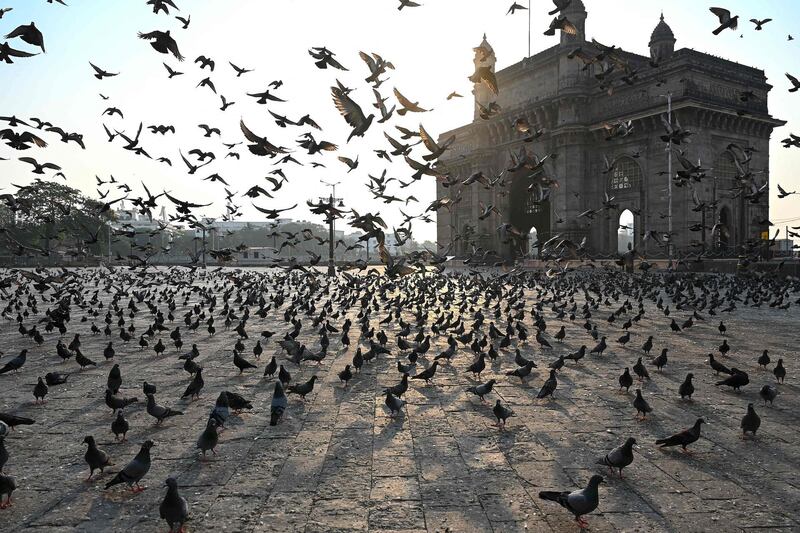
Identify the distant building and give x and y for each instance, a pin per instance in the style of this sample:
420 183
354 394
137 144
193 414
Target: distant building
721 102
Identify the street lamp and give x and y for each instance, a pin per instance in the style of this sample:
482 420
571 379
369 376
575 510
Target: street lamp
668 96
332 199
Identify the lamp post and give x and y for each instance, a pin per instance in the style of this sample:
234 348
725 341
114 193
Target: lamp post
668 96
332 199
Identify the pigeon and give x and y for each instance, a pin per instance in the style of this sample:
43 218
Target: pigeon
13 421
750 421
241 363
768 393
133 473
428 373
399 389
302 388
483 389
725 19
115 403
30 34
278 405
271 367
120 426
114 381
163 43
221 410
626 380
660 361
640 370
54 378
346 375
7 486
40 391
237 402
96 458
717 366
148 388
501 413
159 412
736 380
779 371
641 405
196 385
686 389
683 438
549 387
16 363
578 502
523 371
619 457
209 438
174 509
3 451
394 403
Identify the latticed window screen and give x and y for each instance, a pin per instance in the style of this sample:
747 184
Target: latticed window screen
532 205
626 175
725 169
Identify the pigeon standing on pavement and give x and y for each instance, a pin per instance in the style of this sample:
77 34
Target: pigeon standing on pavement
578 502
133 473
174 509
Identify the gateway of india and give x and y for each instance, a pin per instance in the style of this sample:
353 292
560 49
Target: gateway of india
569 105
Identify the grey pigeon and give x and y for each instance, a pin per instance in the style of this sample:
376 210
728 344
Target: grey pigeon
394 403
619 457
3 451
522 372
96 458
115 402
278 405
221 410
483 389
133 473
159 412
683 438
768 393
578 502
174 509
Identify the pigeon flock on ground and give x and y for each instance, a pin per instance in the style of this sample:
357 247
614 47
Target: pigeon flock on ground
151 316
393 316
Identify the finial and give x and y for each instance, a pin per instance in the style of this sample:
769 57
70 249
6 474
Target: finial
662 16
484 36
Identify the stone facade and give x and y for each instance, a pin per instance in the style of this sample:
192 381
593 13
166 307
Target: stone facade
558 95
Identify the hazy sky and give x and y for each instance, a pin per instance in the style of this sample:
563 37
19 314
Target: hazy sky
431 47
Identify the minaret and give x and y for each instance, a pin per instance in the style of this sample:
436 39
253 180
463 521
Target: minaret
662 41
576 14
484 58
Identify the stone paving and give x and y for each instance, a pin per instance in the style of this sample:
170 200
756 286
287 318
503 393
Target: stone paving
338 462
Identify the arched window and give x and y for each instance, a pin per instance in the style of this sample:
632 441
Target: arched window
725 169
533 203
625 231
626 175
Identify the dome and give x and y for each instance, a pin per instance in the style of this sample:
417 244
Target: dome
485 46
662 32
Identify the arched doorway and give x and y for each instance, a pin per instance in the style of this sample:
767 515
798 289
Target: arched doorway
533 244
625 232
529 211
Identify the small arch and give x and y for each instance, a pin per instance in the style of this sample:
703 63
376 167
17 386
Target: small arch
626 176
626 231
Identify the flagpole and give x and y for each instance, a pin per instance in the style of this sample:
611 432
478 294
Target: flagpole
529 28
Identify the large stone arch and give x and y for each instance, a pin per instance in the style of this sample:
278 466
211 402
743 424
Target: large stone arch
625 183
529 206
